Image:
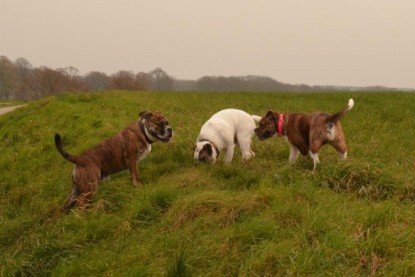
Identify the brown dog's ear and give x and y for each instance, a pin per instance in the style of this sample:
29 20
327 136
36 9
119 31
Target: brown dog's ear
270 114
145 114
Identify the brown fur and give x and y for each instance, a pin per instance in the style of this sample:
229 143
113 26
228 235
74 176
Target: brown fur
307 132
115 154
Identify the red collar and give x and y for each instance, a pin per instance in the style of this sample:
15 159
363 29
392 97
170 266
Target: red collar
280 119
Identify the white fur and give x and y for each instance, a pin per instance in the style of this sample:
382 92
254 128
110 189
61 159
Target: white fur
315 158
293 151
147 133
350 104
331 132
144 154
222 129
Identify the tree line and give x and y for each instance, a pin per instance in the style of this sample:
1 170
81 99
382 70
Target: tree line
19 80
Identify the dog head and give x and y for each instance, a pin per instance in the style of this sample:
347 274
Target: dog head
204 151
156 126
267 126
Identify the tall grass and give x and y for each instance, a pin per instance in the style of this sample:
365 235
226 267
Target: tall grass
259 218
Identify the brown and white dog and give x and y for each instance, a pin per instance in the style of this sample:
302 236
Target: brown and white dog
115 154
306 132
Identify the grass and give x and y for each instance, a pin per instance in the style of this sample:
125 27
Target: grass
260 218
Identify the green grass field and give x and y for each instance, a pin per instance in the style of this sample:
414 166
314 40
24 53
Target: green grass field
261 218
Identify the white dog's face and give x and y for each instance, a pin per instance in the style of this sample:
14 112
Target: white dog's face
205 152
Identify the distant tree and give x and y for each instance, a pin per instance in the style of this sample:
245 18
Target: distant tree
70 71
97 81
51 82
143 80
73 82
161 81
124 80
185 85
7 78
25 81
205 83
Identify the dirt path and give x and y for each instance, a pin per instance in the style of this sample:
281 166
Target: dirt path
9 109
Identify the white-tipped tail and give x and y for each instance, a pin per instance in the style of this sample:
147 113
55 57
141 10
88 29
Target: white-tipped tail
256 118
350 104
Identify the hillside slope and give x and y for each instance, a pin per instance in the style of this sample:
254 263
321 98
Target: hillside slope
262 218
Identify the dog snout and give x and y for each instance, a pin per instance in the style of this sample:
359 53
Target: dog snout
170 131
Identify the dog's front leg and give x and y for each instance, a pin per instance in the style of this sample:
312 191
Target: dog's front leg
132 166
294 152
229 153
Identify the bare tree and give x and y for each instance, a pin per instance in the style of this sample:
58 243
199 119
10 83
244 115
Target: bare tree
143 81
70 71
161 81
7 78
124 80
24 87
97 81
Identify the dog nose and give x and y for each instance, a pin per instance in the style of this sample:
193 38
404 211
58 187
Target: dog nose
170 131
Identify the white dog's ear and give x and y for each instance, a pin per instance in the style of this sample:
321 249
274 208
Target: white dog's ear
145 114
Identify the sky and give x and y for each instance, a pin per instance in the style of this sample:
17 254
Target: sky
314 42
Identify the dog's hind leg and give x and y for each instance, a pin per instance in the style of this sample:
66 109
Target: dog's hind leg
84 199
245 146
71 199
341 148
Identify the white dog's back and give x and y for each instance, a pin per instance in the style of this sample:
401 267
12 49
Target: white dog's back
227 127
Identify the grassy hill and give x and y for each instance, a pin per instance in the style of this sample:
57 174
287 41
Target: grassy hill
261 218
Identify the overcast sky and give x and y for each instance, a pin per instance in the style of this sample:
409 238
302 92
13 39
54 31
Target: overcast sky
316 42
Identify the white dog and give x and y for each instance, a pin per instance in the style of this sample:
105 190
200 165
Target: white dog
222 131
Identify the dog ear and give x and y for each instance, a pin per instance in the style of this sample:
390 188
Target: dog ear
145 114
270 114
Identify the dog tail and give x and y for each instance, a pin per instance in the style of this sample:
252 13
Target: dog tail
337 116
64 154
256 118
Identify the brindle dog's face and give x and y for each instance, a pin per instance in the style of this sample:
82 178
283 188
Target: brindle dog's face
203 152
157 125
267 126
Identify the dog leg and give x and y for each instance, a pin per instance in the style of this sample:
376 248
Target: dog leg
315 158
71 199
294 151
247 153
132 166
229 153
83 200
293 154
341 148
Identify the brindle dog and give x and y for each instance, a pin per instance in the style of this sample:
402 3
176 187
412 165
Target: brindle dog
115 154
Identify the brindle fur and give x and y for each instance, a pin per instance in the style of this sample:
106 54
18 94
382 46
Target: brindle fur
115 154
